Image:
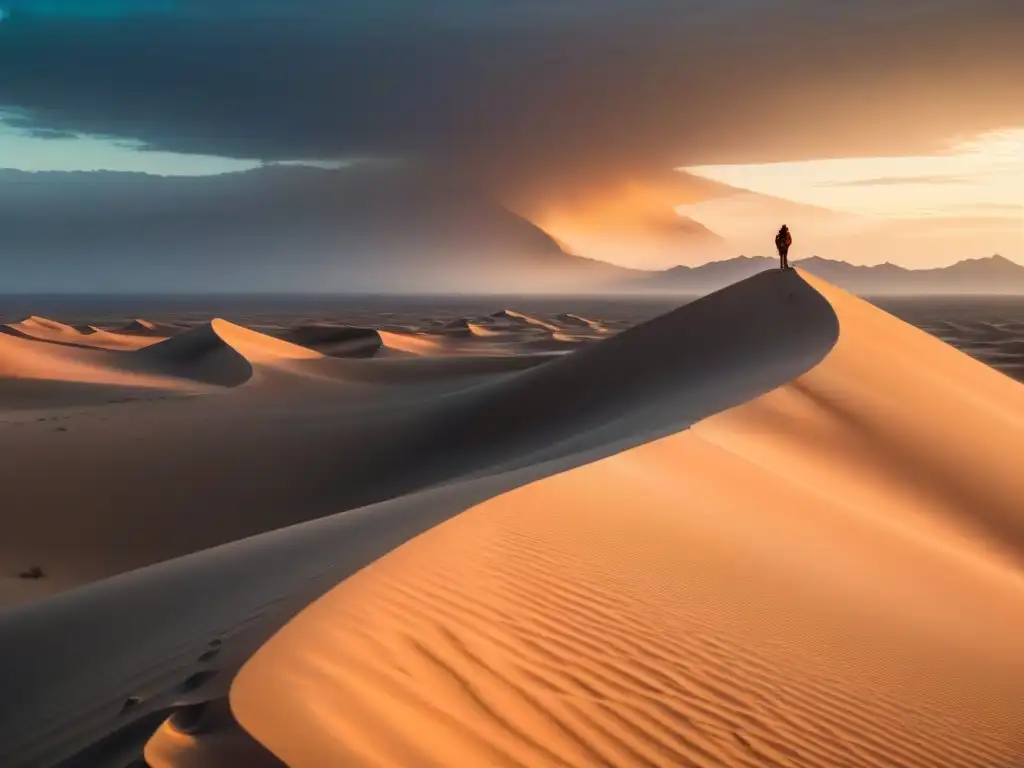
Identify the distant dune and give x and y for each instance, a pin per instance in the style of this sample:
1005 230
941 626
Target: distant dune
34 373
774 526
567 318
88 336
335 340
224 354
510 317
140 327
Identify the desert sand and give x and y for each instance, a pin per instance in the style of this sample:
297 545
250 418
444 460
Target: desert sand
774 527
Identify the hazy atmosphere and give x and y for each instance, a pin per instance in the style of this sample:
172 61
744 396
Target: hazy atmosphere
647 134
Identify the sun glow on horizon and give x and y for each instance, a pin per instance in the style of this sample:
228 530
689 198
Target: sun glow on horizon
980 177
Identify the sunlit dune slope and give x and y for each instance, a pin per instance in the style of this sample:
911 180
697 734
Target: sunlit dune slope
829 574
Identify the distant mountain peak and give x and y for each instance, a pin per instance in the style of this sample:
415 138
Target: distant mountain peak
988 262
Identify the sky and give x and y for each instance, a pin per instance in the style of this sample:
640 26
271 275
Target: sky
879 130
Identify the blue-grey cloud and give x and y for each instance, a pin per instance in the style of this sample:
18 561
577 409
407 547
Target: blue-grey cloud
522 96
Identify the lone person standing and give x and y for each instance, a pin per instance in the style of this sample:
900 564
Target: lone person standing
782 242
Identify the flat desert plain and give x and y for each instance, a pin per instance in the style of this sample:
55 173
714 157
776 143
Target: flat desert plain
775 526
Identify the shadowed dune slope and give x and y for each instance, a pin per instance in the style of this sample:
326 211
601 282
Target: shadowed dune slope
829 574
649 380
63 696
335 340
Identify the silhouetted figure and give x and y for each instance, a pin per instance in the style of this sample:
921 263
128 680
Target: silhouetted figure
782 242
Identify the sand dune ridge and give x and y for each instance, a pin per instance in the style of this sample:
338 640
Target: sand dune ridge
252 586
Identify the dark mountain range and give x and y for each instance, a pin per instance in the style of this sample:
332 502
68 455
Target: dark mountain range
994 275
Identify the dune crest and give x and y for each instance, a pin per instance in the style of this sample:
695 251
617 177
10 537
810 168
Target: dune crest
828 574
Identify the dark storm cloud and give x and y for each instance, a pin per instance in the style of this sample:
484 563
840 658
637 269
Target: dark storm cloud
523 95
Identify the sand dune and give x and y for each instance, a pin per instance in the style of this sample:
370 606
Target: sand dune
43 329
410 344
826 575
207 739
475 329
358 342
138 325
141 327
460 325
708 540
43 326
222 353
509 317
335 340
571 320
39 374
511 333
465 327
